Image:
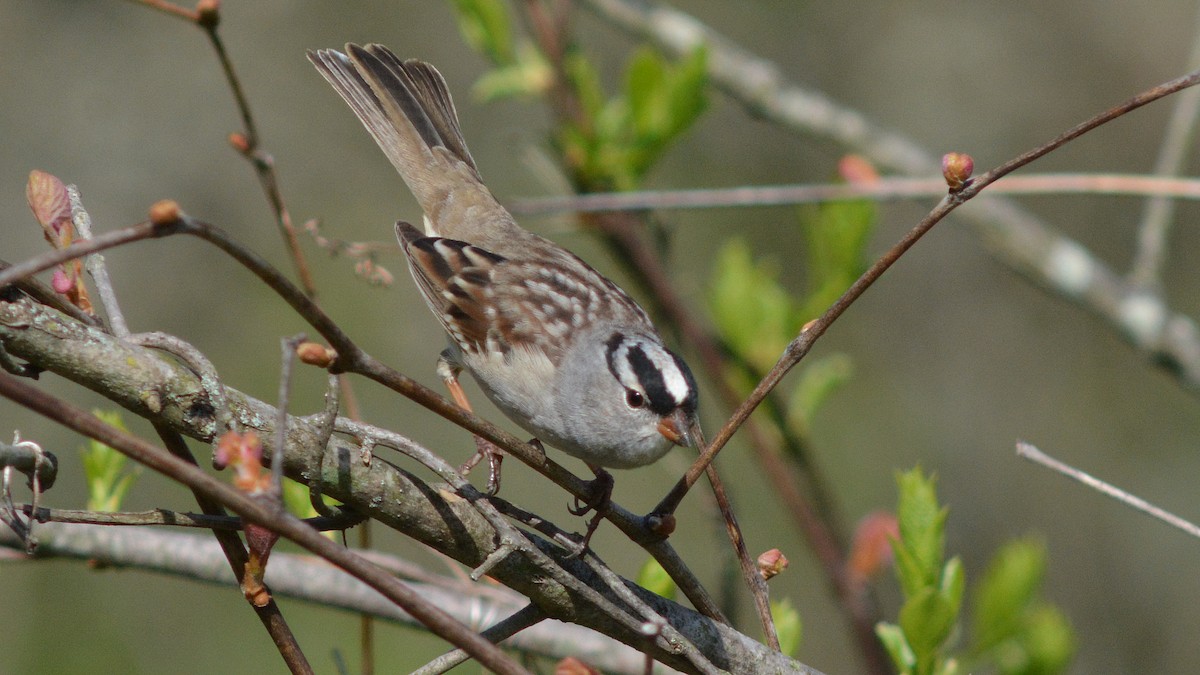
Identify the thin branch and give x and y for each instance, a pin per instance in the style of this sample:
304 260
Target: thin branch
287 348
173 518
1031 453
31 460
305 577
169 8
79 249
887 188
268 612
96 267
1159 210
521 620
438 621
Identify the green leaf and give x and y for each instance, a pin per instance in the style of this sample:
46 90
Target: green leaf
528 75
104 469
788 626
645 90
892 637
664 100
751 310
486 27
818 379
836 236
922 530
1006 592
687 96
927 619
1049 642
953 582
655 579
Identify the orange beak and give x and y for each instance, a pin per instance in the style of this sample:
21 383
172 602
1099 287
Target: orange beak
680 428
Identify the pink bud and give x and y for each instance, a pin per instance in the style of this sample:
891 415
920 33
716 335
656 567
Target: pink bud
61 282
957 168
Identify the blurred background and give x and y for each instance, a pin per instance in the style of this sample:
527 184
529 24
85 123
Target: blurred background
955 356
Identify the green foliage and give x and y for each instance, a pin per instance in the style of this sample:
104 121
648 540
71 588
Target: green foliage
788 625
486 27
104 468
836 236
1013 630
753 313
757 317
1011 625
932 589
655 579
818 379
621 137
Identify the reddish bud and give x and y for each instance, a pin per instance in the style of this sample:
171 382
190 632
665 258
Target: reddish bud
208 13
315 354
857 170
240 142
47 197
243 452
164 212
772 563
61 282
573 666
259 542
957 169
872 547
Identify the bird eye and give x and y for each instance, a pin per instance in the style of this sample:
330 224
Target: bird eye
634 398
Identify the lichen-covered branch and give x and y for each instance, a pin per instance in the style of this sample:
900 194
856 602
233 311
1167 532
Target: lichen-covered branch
151 385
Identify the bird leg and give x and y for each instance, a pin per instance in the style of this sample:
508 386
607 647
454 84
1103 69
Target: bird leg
449 372
600 494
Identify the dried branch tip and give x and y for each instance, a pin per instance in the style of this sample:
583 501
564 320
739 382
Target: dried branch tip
315 354
208 13
772 563
957 168
165 211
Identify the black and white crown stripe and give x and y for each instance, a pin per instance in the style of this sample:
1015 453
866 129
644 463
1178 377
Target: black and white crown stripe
650 368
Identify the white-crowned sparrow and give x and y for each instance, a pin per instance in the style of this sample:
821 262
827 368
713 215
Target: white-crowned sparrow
560 349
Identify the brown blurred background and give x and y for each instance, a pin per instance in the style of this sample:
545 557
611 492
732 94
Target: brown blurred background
955 355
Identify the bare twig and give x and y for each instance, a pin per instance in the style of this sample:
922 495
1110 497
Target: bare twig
167 517
30 459
288 352
1160 209
885 189
1031 453
527 616
268 612
169 8
96 267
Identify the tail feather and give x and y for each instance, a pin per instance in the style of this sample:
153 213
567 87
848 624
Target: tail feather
406 107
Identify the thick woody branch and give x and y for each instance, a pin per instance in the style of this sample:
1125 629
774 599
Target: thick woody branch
144 382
